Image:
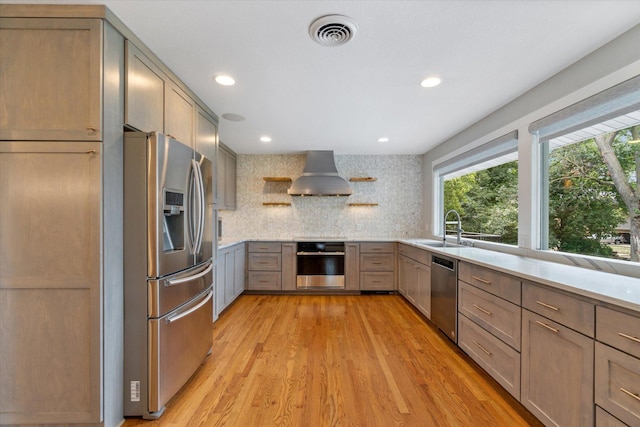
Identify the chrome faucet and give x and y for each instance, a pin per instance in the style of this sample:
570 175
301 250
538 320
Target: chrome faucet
458 224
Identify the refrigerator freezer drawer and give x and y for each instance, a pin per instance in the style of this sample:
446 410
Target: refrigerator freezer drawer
178 343
172 291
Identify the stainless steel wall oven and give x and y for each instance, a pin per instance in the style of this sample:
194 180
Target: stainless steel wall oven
320 265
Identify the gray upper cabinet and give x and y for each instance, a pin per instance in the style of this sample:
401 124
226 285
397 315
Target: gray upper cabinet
44 63
144 92
226 178
179 114
206 135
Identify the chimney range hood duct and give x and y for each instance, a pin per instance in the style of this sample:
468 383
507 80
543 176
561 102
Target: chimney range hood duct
320 177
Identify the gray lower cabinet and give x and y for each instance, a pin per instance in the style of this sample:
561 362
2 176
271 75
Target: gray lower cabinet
352 266
289 266
557 372
414 277
264 266
229 276
377 266
617 383
494 356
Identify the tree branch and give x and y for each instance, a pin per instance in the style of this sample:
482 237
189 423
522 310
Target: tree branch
615 169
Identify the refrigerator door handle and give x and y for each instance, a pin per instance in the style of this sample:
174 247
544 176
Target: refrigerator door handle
191 310
201 203
195 199
173 282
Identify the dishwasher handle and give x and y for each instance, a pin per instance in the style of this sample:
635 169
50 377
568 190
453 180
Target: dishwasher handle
443 262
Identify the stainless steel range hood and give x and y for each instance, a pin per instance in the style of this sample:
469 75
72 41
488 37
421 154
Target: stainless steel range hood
320 177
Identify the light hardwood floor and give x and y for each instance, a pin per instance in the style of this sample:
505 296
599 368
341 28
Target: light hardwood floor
367 360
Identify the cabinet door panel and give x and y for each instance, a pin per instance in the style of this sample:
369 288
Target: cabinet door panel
44 62
618 383
289 266
239 265
50 317
557 372
423 278
498 316
179 115
144 92
352 266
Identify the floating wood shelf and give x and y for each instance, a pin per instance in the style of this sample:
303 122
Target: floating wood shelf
276 178
362 179
363 204
276 204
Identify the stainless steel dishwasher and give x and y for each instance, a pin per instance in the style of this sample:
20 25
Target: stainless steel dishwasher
444 293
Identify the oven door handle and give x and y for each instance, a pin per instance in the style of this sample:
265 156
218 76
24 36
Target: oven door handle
319 253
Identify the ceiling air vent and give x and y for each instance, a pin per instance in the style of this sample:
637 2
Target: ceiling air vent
332 30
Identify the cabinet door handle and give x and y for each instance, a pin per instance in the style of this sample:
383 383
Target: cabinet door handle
544 325
487 312
547 306
627 392
629 337
488 282
482 348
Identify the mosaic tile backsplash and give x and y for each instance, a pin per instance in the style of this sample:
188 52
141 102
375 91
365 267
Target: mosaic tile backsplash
397 190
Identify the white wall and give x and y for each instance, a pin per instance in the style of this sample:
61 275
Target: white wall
609 65
398 191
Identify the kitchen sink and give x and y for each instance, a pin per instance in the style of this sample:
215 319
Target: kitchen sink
437 244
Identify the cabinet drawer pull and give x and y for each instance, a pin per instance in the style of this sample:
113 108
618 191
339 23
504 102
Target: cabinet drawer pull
376 263
547 306
544 325
487 312
629 337
482 348
488 282
627 392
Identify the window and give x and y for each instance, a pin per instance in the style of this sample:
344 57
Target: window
482 186
590 156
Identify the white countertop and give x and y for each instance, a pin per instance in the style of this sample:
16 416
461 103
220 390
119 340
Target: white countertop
616 289
612 288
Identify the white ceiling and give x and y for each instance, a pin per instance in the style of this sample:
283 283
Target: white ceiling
305 96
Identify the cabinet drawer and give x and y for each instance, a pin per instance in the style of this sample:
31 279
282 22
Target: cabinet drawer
376 262
265 247
605 419
499 284
417 254
495 357
269 262
619 330
264 281
377 247
380 281
617 387
565 309
499 317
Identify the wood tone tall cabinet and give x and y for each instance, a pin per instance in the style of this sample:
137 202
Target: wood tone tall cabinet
64 104
61 263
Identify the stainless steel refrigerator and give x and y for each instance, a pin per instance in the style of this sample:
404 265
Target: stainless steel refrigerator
168 269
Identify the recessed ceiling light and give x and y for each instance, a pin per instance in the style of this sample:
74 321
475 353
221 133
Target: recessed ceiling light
383 139
265 139
233 117
224 79
431 82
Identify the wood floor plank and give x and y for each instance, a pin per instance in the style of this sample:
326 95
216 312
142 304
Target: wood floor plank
368 360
